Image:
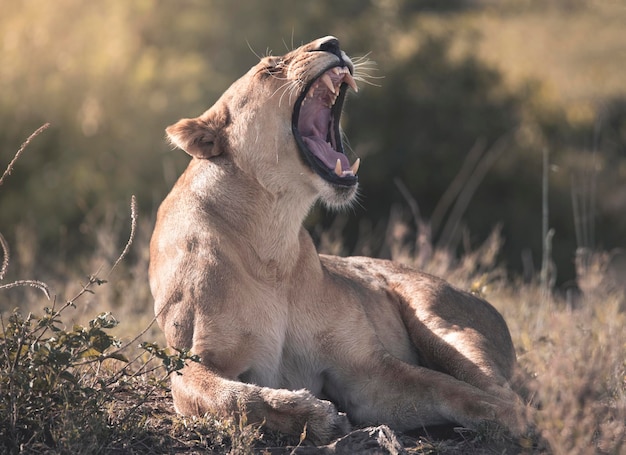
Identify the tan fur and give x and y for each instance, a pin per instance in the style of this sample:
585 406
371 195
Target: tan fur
289 335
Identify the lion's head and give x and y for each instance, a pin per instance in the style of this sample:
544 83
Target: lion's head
280 124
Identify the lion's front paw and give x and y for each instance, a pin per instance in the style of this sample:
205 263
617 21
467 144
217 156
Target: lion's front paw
328 426
300 411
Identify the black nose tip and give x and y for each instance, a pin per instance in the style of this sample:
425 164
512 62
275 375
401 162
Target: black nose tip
331 46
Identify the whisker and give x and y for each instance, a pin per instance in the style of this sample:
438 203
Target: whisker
366 80
295 88
366 66
361 59
290 87
280 88
363 67
346 143
363 62
278 78
253 51
284 87
285 42
287 89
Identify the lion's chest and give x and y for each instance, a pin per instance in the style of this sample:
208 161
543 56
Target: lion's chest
281 347
295 370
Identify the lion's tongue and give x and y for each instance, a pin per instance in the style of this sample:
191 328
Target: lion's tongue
313 125
325 152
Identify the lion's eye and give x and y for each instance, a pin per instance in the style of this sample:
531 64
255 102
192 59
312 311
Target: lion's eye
273 63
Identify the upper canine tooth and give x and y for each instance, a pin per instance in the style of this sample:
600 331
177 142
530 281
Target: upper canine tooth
355 166
328 82
336 70
338 169
348 79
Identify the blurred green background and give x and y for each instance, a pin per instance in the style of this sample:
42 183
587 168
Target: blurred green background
472 88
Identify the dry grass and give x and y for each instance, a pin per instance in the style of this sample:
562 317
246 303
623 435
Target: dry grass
571 353
571 349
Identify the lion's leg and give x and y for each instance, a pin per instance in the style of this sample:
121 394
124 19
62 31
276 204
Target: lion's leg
465 354
408 397
461 335
468 345
199 390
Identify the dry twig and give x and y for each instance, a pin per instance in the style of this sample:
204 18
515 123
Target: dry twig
9 168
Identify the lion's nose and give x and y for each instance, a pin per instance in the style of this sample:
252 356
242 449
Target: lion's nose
330 44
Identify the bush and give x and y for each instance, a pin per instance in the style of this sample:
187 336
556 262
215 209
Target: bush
59 390
60 387
48 376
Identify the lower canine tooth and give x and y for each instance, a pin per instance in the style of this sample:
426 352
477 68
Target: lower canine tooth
338 169
355 167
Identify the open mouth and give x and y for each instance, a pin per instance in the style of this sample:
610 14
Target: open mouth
315 125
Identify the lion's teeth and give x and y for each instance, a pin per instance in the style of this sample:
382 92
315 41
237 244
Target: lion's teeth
348 79
355 166
328 82
336 70
338 169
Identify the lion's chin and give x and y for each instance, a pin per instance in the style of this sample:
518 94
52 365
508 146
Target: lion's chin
337 197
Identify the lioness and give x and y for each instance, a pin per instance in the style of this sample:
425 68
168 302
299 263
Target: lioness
291 337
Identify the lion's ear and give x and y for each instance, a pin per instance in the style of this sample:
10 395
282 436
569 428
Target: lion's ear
195 136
